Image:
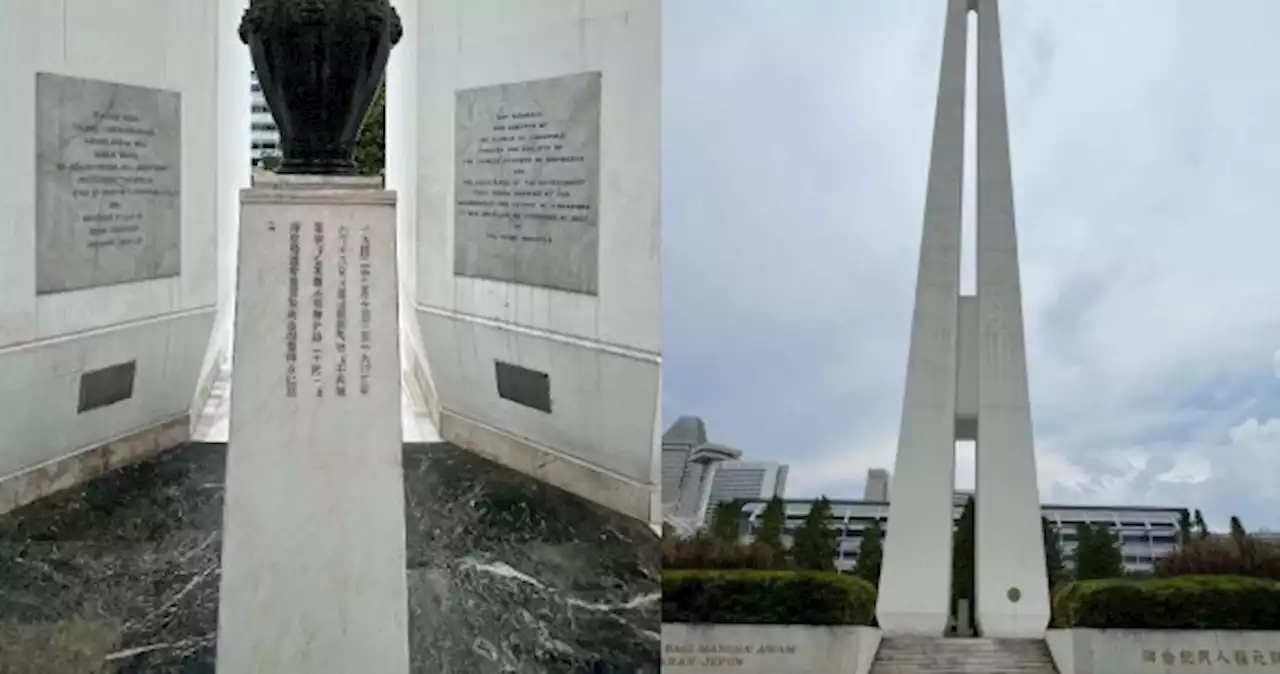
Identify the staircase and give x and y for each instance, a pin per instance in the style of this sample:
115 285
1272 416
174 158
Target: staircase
921 655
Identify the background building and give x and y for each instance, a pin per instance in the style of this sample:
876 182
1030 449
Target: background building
877 488
748 480
1145 532
697 473
689 466
264 137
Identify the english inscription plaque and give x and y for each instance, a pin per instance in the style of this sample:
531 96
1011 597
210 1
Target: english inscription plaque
108 181
527 183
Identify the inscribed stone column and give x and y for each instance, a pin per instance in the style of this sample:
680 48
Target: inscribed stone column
313 560
915 583
1010 578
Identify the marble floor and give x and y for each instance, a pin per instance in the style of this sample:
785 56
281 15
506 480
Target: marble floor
505 574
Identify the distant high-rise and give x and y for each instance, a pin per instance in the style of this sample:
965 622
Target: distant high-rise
748 480
264 137
696 474
967 377
689 465
877 488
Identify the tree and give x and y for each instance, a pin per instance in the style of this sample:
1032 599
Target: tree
870 554
726 521
1202 529
1097 552
816 544
1052 553
771 521
270 161
962 557
1242 539
371 144
1184 527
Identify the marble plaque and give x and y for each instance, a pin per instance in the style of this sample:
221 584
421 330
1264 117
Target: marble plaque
527 183
108 159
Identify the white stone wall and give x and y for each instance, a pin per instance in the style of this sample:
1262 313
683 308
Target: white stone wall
48 341
768 649
1089 651
601 352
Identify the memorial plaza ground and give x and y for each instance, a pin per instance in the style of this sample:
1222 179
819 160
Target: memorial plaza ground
505 574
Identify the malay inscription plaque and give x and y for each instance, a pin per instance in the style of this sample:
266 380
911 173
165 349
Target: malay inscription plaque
526 183
108 183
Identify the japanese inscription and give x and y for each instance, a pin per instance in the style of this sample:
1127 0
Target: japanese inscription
108 159
526 183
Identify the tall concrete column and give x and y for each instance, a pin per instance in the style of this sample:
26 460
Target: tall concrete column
1010 577
967 379
916 579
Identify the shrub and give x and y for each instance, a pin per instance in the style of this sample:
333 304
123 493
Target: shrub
1221 556
1186 602
767 597
704 551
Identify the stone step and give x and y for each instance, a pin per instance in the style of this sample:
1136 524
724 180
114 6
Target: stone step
964 657
922 648
918 655
965 669
963 645
1021 657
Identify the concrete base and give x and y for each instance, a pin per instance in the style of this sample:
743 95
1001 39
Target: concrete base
313 560
1090 651
627 496
39 481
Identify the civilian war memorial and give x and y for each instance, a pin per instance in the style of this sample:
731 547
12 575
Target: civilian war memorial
966 379
504 279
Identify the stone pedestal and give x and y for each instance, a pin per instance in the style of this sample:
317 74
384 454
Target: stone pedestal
313 560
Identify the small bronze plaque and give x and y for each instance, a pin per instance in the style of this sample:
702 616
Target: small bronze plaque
524 386
107 386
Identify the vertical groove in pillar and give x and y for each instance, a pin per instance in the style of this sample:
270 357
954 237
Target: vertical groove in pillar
915 583
1009 551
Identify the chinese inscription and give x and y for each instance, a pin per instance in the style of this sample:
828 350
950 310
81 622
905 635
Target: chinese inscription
1236 658
366 314
526 182
108 159
340 324
317 311
332 292
291 316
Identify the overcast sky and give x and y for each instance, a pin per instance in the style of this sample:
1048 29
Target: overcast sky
1146 165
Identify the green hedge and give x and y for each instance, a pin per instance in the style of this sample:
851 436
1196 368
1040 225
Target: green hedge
767 597
1185 602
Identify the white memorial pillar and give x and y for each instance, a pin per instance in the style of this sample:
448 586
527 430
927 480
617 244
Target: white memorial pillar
915 583
967 379
313 560
1010 577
